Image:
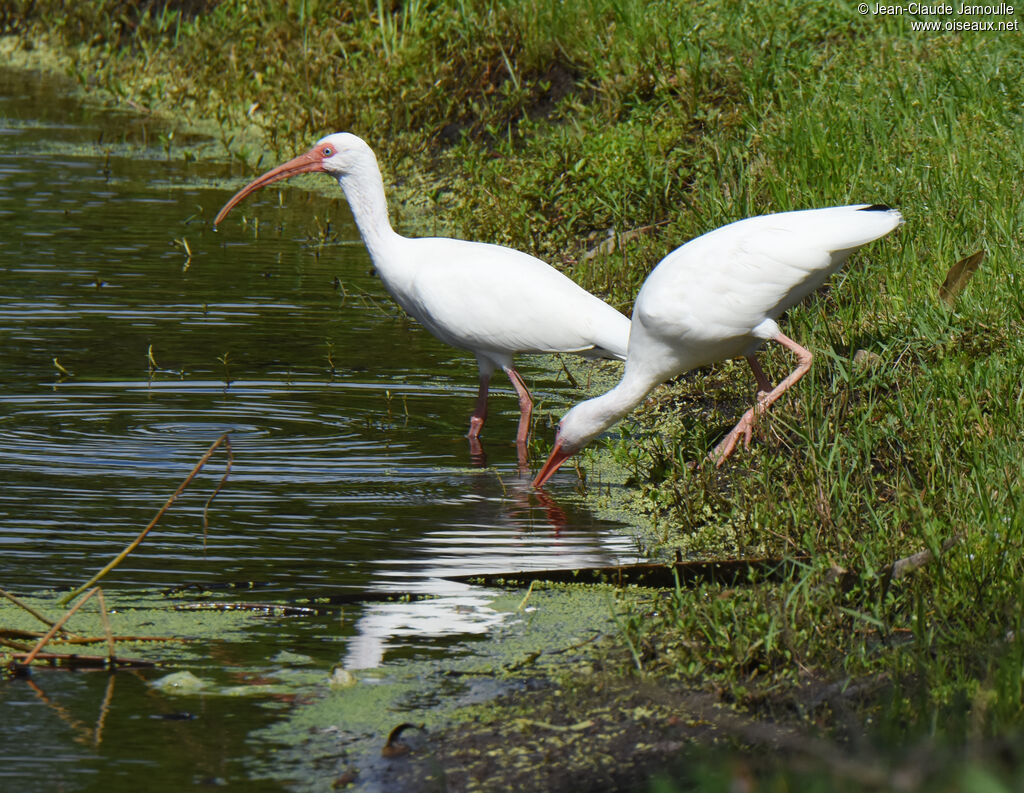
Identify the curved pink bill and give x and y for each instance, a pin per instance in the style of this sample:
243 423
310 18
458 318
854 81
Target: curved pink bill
310 162
555 460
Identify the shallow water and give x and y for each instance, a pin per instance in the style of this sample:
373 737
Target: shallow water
132 335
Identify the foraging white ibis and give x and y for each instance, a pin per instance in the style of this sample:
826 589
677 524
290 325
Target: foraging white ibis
718 297
488 299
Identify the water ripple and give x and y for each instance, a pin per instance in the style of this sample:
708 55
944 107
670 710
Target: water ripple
350 471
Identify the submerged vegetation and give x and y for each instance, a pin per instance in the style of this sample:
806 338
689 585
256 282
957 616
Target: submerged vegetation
600 135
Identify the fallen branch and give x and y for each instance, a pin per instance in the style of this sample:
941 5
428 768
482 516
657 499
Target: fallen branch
16 633
167 505
21 648
903 566
725 572
75 660
728 572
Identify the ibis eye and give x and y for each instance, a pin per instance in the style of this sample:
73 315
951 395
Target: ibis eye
328 151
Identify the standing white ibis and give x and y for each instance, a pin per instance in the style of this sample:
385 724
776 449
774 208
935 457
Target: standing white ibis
488 299
718 297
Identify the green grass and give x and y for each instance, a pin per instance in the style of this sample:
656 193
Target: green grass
548 126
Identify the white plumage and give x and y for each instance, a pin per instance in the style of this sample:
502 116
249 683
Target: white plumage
717 297
488 299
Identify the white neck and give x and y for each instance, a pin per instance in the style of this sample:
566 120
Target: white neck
364 189
589 419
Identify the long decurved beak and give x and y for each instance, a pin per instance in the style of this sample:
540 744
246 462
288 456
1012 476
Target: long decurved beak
310 162
555 460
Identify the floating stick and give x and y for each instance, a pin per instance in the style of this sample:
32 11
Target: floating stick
106 626
167 504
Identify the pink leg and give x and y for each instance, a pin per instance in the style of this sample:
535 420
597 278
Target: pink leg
764 400
525 406
764 386
477 455
476 421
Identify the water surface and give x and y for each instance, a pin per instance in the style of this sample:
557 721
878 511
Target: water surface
132 335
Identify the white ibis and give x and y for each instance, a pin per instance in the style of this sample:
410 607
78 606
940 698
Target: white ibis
488 299
718 297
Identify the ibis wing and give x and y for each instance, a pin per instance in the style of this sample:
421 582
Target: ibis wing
485 297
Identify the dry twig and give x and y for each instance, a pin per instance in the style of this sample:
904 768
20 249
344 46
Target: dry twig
27 608
56 627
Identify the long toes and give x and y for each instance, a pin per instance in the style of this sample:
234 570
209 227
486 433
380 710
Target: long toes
748 434
724 449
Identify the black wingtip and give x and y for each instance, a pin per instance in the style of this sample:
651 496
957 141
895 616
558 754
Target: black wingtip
877 208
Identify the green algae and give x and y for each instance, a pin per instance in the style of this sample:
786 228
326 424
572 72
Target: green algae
138 614
548 632
171 632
